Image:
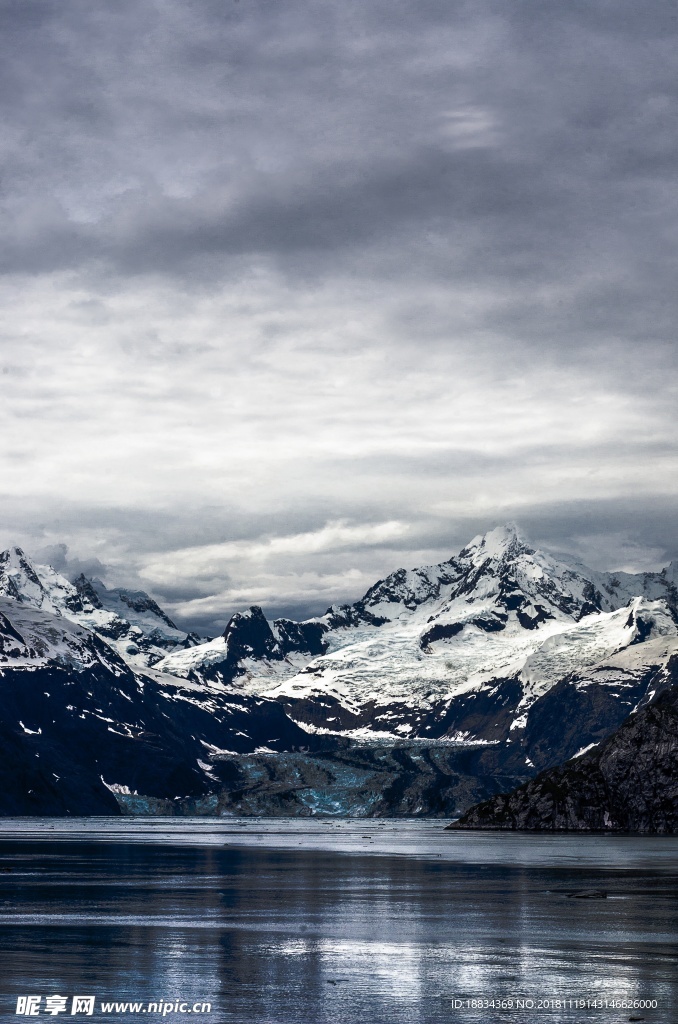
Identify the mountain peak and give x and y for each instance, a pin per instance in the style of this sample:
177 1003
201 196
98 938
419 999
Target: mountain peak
496 543
14 557
128 620
19 578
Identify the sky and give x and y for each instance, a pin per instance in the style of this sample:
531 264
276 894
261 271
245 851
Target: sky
294 294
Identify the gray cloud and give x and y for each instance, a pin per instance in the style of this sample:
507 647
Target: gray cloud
71 567
268 267
170 133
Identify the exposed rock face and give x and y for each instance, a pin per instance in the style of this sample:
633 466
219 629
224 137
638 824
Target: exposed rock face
628 783
249 639
353 780
442 686
466 649
130 620
87 592
303 637
249 635
78 726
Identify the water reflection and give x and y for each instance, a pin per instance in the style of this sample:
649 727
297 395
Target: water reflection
270 925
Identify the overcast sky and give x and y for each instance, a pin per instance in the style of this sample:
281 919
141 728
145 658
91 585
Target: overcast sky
295 293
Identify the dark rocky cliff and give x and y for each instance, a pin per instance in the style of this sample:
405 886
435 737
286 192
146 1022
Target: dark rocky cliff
629 783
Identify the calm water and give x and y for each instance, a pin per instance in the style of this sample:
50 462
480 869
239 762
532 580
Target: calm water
326 922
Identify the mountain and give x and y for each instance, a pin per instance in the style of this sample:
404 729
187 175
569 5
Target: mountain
79 727
130 621
441 687
629 783
466 650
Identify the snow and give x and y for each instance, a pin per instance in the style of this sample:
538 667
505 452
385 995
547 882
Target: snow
181 663
117 789
497 542
499 610
584 750
386 665
392 664
217 751
585 644
30 732
43 639
138 637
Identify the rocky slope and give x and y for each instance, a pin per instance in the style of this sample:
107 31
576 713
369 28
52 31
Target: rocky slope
423 648
440 687
347 779
628 783
130 621
466 651
79 727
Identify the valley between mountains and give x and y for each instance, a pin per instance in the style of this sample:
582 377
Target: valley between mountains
442 687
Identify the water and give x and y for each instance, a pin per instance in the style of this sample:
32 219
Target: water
291 921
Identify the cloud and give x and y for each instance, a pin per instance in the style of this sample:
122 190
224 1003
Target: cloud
268 268
57 556
208 561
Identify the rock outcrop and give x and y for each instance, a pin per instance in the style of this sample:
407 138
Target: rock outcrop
628 783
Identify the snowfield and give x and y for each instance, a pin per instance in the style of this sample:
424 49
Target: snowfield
417 642
441 686
499 610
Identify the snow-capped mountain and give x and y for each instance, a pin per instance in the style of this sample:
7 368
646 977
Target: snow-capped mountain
32 639
497 625
130 621
440 687
626 783
79 727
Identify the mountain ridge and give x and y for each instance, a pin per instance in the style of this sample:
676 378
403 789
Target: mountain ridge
131 621
626 783
499 610
442 685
